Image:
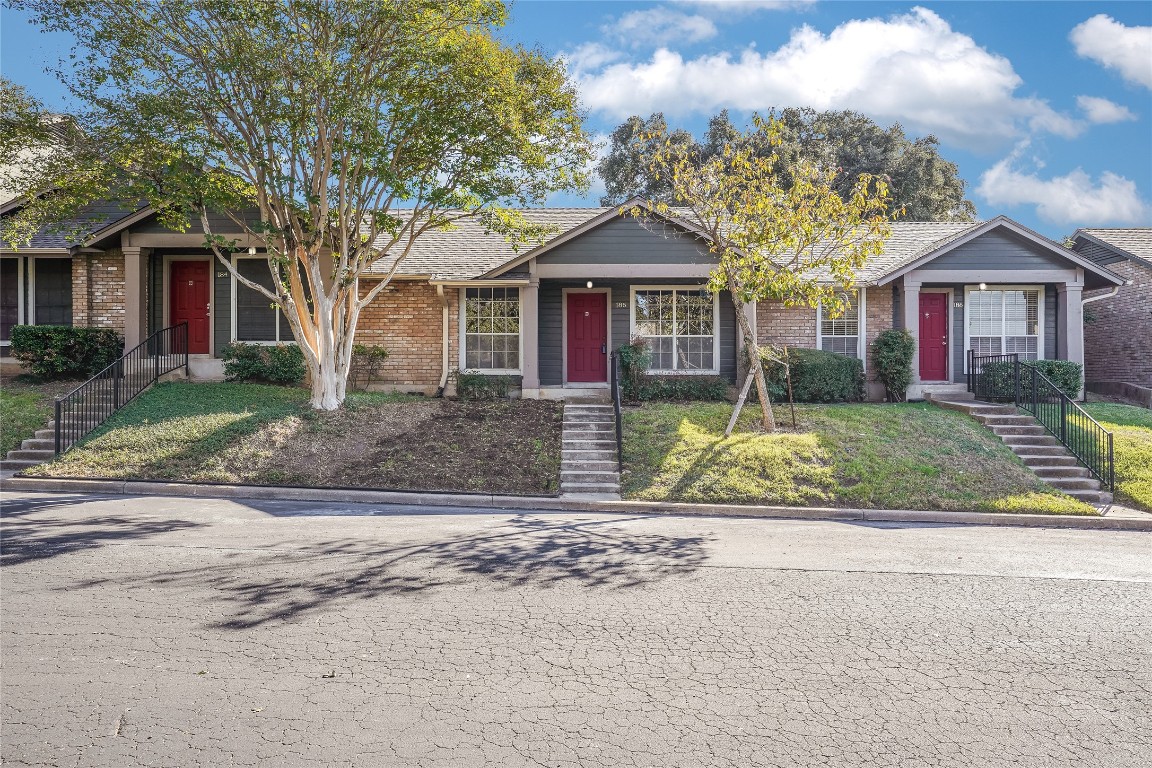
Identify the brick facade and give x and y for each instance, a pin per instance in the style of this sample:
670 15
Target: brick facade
796 326
98 290
407 320
1118 330
778 324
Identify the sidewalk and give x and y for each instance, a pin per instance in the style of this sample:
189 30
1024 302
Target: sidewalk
1115 518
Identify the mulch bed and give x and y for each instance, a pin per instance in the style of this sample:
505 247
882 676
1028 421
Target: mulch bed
497 446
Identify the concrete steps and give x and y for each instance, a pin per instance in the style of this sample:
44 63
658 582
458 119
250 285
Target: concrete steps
1041 452
35 450
589 465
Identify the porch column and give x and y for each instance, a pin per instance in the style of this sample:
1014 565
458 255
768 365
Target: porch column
912 322
1069 306
529 327
135 296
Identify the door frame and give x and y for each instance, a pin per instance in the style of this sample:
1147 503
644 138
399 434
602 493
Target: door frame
564 336
166 308
951 333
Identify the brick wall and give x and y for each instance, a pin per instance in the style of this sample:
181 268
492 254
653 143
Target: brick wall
406 319
1118 331
98 290
80 297
778 324
878 308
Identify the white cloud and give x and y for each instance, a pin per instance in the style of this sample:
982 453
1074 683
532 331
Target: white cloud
1071 200
911 68
1125 49
1099 110
591 56
660 26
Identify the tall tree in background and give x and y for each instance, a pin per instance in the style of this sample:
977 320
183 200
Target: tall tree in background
315 126
922 183
797 239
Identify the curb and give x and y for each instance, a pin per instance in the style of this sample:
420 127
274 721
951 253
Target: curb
545 503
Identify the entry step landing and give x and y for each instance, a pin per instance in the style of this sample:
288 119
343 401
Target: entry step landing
589 464
1040 452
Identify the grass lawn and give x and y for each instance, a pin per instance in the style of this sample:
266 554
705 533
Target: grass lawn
1131 427
906 456
249 433
26 406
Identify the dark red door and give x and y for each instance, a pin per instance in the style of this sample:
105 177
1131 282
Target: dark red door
189 300
933 337
587 337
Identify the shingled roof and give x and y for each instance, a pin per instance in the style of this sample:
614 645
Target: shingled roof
74 231
1135 241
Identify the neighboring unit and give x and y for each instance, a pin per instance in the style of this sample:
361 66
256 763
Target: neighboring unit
549 315
1118 323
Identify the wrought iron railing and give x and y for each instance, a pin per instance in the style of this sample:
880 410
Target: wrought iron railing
1007 378
93 402
616 397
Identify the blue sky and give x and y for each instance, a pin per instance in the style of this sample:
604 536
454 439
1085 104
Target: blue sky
1045 106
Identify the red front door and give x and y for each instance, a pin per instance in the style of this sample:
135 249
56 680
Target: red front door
189 301
933 337
588 337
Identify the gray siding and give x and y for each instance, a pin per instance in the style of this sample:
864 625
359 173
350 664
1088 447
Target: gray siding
218 221
221 308
551 323
156 319
1097 253
997 250
625 240
959 351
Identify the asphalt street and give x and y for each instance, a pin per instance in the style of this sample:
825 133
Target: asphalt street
197 632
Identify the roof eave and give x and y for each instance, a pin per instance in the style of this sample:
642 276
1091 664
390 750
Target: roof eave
1082 235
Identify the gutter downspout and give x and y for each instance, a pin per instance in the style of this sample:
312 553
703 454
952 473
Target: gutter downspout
1108 295
444 342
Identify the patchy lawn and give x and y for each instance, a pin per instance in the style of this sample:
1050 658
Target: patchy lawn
1131 427
26 406
906 456
248 433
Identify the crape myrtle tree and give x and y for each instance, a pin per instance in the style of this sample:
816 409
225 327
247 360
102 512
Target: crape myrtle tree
334 133
797 240
921 182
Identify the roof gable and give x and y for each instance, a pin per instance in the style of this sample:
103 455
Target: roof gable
1105 246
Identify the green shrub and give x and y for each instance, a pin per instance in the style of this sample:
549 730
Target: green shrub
817 377
1065 374
681 388
280 364
64 352
366 366
634 361
892 354
997 382
475 385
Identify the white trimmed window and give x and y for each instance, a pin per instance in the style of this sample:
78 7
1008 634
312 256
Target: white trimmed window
840 334
34 290
680 327
254 318
491 325
1006 321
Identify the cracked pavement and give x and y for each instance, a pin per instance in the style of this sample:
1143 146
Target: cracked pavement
203 632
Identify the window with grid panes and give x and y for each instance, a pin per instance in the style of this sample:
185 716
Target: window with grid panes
842 334
492 329
1005 322
679 325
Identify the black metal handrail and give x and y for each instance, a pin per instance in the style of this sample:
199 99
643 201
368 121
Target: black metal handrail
616 397
1008 378
93 402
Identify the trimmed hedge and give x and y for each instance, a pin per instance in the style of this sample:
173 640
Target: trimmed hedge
476 385
637 384
1065 374
280 364
817 377
892 353
999 384
64 352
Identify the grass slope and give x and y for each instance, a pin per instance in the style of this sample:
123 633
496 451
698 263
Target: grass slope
908 456
249 433
1131 427
25 407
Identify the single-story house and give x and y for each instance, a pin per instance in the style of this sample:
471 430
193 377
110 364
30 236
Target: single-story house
550 314
1118 322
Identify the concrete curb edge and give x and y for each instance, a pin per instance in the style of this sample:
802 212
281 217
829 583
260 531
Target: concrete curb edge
286 493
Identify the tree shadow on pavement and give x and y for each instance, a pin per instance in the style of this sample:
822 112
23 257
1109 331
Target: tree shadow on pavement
258 587
30 534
